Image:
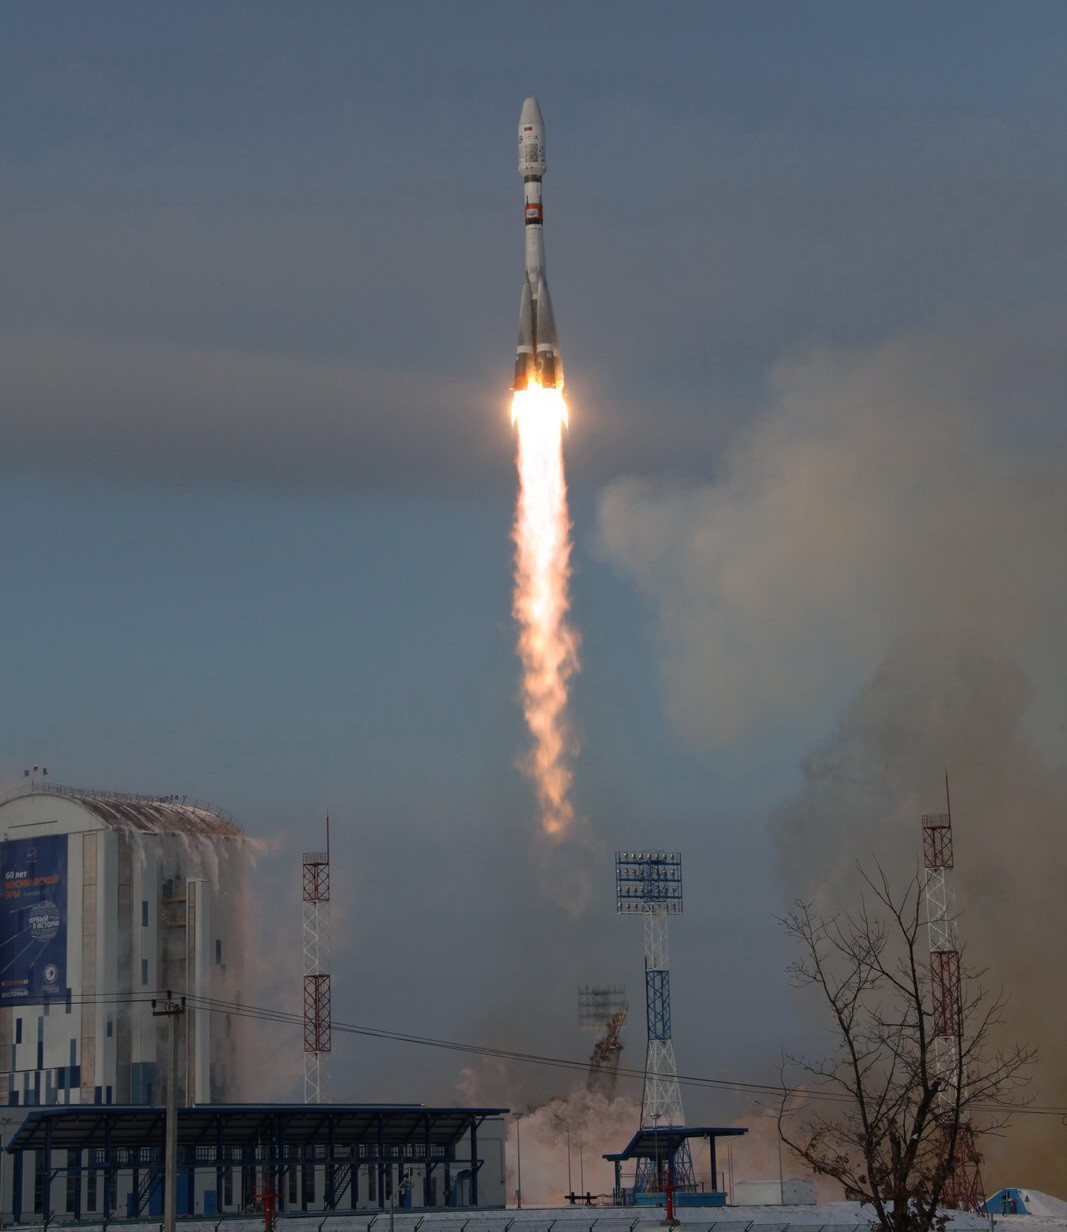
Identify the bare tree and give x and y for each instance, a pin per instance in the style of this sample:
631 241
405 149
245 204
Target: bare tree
888 1113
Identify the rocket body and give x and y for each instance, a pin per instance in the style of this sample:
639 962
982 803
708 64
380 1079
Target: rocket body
537 358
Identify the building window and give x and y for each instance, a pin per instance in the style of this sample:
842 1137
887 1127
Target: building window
110 1028
227 1187
90 1185
292 1185
144 912
18 1031
218 951
144 970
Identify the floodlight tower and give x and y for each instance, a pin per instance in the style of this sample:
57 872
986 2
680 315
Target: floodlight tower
649 883
317 1040
963 1189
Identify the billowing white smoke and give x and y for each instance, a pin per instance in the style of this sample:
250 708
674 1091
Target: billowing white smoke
563 1143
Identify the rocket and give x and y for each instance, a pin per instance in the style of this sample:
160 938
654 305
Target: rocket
537 358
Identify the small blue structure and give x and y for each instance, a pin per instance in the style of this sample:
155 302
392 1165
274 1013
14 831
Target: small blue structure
1006 1202
654 1152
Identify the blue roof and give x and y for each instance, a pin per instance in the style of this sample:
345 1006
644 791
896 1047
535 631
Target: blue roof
663 1140
79 1126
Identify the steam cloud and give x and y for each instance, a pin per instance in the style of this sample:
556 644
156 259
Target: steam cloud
878 561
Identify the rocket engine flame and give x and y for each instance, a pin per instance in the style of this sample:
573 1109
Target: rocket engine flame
548 645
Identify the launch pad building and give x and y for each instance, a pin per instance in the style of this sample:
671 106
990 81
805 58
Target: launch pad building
109 900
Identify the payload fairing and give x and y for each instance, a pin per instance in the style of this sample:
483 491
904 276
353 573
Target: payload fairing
537 358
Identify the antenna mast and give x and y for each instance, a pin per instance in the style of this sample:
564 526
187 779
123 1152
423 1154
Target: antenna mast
317 1040
963 1189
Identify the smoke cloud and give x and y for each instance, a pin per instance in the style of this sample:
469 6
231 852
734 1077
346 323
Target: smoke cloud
876 562
933 703
882 490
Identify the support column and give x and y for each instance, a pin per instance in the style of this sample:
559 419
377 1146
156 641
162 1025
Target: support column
16 1187
220 1165
46 1180
77 1212
381 1163
427 1168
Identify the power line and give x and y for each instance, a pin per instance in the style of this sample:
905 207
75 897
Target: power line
284 1018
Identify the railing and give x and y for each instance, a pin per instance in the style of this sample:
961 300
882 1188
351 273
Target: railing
36 786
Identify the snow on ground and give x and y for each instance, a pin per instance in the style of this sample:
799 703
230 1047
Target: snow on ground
1044 1205
836 1216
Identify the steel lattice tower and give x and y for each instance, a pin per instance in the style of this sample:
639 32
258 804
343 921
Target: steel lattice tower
649 883
316 968
963 1189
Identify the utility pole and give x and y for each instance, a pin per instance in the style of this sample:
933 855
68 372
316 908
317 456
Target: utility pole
518 1157
171 1010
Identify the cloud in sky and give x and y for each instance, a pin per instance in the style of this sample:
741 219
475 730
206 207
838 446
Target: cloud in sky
883 490
111 407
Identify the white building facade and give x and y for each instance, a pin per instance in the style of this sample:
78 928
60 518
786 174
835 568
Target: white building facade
111 900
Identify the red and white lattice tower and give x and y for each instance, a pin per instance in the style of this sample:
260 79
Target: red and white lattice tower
963 1189
316 968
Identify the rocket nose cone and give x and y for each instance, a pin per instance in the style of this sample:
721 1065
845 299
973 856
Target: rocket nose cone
531 113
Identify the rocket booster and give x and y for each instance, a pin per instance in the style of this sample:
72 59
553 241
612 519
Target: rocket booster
537 358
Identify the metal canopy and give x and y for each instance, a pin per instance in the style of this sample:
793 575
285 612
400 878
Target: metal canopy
127 1140
82 1126
662 1142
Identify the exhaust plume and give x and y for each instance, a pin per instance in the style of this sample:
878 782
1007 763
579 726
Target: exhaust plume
548 645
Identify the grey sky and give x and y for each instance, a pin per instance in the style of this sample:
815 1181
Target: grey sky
260 271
